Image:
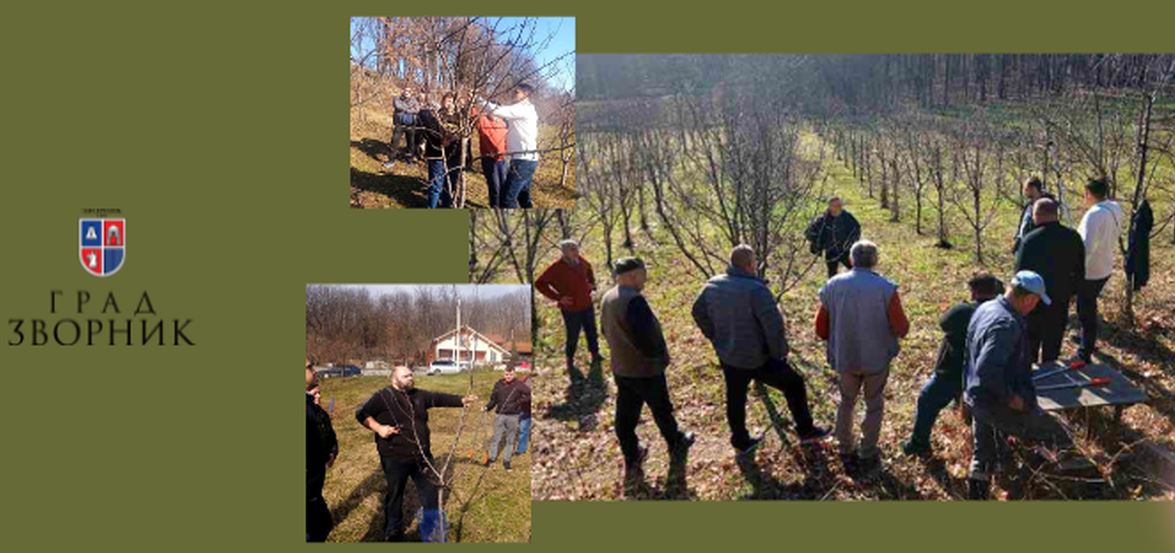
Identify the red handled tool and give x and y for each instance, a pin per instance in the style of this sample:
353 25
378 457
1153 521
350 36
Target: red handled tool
1094 382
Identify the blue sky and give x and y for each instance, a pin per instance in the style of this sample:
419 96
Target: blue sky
563 31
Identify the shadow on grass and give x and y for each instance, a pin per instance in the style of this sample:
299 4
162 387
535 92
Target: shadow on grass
374 149
583 398
404 190
411 504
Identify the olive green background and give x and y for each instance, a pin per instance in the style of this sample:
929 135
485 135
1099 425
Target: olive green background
220 130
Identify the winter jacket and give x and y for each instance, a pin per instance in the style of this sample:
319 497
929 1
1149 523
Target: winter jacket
1056 253
1138 253
833 235
738 314
997 361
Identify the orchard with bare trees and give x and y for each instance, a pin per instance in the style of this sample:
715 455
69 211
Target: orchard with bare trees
681 157
471 59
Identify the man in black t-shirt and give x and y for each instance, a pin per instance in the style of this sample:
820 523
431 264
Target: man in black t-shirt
398 417
946 383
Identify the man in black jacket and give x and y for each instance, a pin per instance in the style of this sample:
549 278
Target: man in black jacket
833 232
509 397
1033 190
946 384
398 417
321 449
1056 253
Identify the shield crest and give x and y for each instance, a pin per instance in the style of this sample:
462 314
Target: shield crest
102 245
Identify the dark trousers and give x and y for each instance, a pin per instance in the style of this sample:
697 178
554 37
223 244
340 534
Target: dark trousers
1087 298
1046 330
397 472
318 519
573 322
495 174
832 264
632 393
516 190
990 423
438 192
936 394
777 374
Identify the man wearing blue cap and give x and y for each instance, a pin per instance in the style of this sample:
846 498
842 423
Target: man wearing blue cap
999 389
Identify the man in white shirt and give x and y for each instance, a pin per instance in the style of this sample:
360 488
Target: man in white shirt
522 144
1099 230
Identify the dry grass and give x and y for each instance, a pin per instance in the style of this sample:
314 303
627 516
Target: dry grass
484 505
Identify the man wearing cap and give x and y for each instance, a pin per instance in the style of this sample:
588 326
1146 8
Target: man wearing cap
638 359
999 389
1054 252
738 314
569 281
946 383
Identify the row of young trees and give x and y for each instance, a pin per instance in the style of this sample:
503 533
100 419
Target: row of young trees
471 57
345 323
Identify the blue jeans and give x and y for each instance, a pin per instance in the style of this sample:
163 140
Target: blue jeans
523 435
495 173
936 394
574 321
516 190
438 193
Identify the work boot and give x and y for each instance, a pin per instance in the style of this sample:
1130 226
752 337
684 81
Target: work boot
637 465
978 490
814 435
684 441
916 449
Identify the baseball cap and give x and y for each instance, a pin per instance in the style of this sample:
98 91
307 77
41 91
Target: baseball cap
1032 282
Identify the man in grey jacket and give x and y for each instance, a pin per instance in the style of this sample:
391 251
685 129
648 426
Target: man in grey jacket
862 319
998 372
738 314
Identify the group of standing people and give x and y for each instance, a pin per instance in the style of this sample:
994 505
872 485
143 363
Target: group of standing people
397 416
985 361
438 134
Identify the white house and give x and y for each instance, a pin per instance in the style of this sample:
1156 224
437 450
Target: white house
474 346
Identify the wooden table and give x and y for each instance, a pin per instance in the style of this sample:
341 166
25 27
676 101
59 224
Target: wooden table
1119 394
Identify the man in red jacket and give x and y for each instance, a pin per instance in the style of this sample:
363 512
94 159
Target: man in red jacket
569 281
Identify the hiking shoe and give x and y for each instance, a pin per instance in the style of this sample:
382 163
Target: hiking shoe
978 490
506 465
814 435
638 463
749 450
869 464
684 441
916 449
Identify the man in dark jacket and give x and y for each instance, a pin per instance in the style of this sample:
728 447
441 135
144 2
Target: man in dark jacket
439 141
404 110
738 314
398 417
638 358
510 396
1033 190
1056 253
1138 253
834 232
946 384
999 389
321 449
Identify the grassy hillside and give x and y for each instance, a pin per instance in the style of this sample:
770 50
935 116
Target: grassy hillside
577 456
406 185
485 504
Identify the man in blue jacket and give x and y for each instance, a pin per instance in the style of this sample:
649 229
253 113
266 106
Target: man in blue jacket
999 389
738 314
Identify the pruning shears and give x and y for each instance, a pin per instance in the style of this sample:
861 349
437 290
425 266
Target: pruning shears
1093 382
